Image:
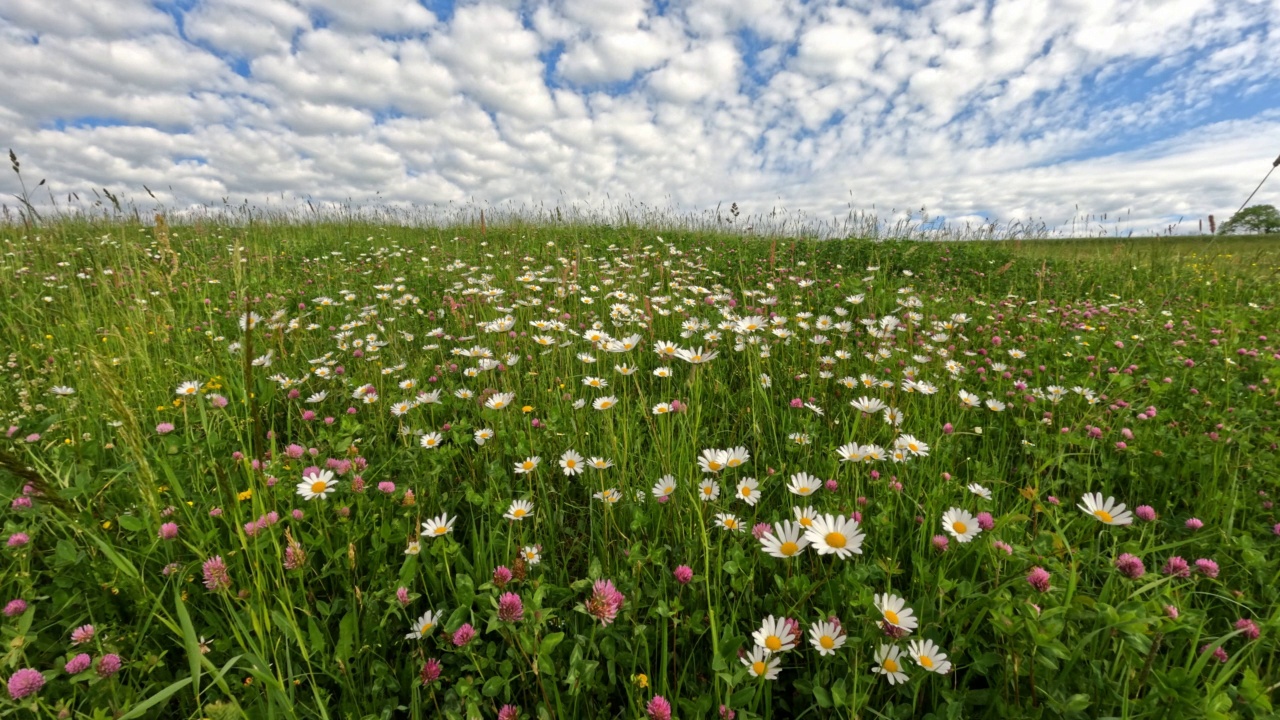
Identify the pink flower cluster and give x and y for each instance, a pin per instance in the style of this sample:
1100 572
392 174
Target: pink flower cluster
605 601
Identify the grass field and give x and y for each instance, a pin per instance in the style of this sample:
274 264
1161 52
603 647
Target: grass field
339 470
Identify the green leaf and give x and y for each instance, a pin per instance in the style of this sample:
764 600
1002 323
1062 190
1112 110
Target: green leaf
464 590
823 697
142 707
189 641
346 635
493 686
549 643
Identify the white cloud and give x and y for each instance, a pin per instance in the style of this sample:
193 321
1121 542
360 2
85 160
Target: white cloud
1012 109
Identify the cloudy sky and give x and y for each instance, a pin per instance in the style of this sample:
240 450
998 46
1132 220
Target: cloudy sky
995 109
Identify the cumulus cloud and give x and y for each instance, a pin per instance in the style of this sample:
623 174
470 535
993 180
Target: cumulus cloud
1001 109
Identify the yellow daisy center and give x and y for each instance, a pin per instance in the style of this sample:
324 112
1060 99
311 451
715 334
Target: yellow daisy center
746 491
926 661
826 642
804 489
835 539
319 486
789 548
773 642
731 523
441 529
426 628
806 522
706 490
668 490
758 667
527 465
713 465
1103 515
959 527
891 617
890 665
518 512
571 463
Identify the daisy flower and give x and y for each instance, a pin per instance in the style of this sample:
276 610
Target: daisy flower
1108 511
980 491
499 400
424 625
912 445
733 457
994 405
664 487
887 664
318 484
413 548
608 497
532 554
437 526
962 526
804 484
760 663
696 357
600 463
64 391
785 540
571 463
431 440
835 534
708 490
826 637
595 382
483 435
805 516
519 510
747 491
729 522
190 387
604 403
774 635
527 465
850 452
929 656
662 372
712 460
894 611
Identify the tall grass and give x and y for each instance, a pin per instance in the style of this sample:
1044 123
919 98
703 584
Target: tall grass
1166 361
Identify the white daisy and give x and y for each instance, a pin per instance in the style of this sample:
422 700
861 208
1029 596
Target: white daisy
960 524
887 664
835 534
437 526
519 510
317 484
1108 511
826 637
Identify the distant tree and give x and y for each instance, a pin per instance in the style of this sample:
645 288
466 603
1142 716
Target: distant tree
1253 219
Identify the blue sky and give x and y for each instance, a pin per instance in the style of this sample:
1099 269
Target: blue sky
994 110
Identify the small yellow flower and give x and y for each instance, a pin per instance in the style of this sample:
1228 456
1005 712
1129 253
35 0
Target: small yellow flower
106 525
641 680
526 409
245 495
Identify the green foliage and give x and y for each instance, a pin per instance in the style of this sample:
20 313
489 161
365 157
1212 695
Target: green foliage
1253 219
1146 371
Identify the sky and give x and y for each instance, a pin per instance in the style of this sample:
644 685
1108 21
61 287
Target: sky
1145 111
